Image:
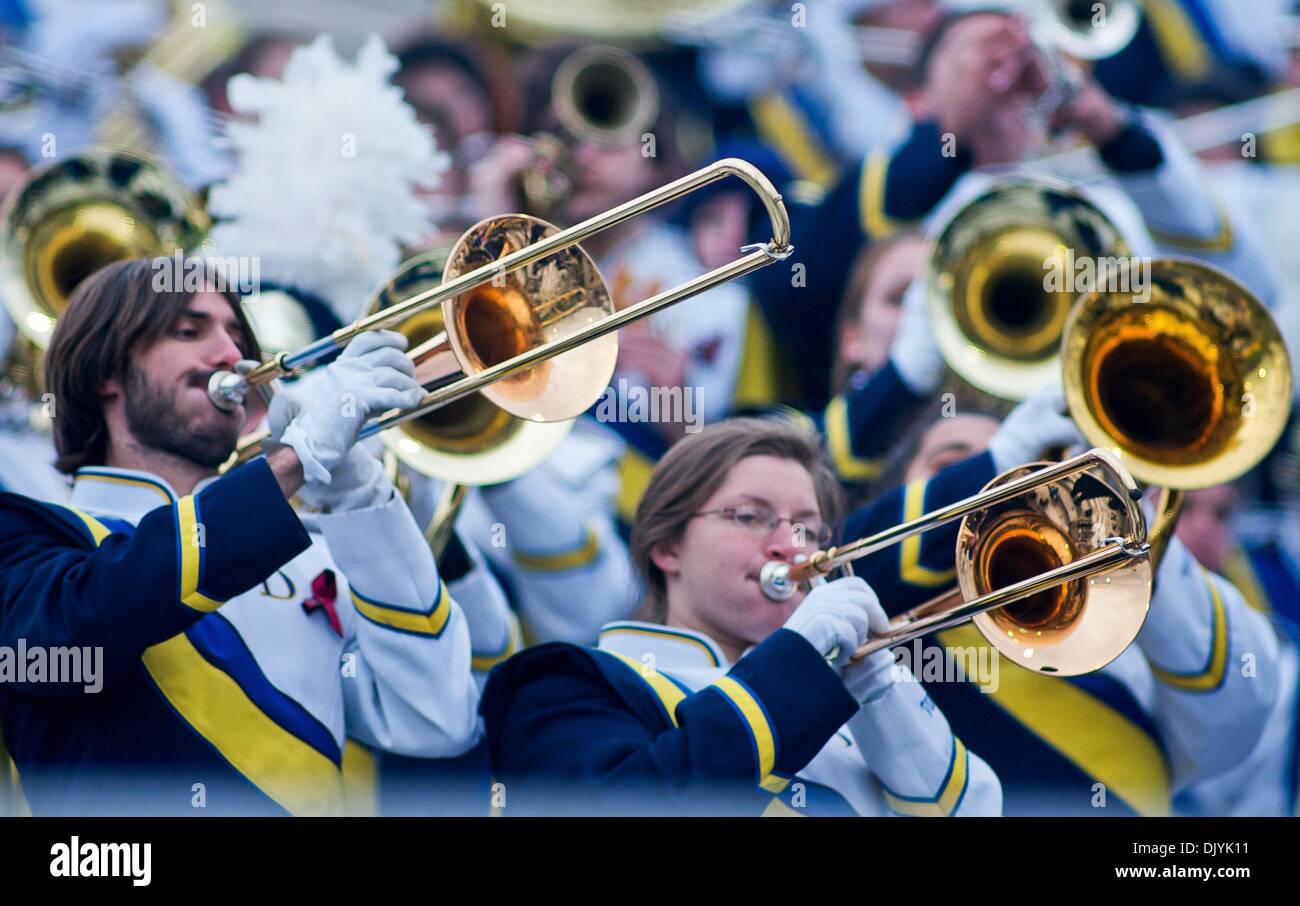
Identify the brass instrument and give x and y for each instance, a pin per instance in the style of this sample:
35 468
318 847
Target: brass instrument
187 49
1087 29
528 319
1189 389
598 93
1052 564
1186 388
471 441
995 320
66 220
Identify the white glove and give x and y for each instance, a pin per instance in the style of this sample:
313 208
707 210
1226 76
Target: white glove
914 352
1032 428
321 418
838 614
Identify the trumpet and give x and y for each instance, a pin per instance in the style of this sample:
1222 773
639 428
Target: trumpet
508 310
599 93
1026 545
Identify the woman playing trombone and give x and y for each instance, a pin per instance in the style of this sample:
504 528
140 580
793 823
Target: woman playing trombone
722 701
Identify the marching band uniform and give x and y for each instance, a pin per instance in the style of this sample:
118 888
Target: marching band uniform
1186 48
1162 187
243 643
547 544
1264 566
655 720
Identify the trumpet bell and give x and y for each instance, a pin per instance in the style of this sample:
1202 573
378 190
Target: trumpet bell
1000 280
539 303
606 94
1076 627
470 441
75 216
1189 389
1091 29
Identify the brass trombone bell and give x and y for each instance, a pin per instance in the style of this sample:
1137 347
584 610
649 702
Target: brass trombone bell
508 309
65 221
471 441
1000 276
1189 389
1052 564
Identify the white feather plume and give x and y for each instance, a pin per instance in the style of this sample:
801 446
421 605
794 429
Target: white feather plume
324 193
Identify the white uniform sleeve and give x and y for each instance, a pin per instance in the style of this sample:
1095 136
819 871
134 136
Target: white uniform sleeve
923 767
1216 663
567 565
1186 219
407 642
494 632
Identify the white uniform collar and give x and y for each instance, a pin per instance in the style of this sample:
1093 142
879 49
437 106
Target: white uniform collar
123 493
671 647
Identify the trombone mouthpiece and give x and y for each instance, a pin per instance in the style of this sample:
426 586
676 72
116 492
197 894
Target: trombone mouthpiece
226 390
775 580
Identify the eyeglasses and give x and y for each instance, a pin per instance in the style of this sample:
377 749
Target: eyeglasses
761 520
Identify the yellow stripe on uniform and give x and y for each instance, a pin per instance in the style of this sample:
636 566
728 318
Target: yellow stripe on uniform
1180 44
1238 570
759 729
560 561
668 692
634 470
778 809
191 544
871 199
160 490
1216 668
98 531
839 443
909 553
1103 743
783 126
1220 242
13 804
431 623
293 773
760 378
943 803
360 780
483 662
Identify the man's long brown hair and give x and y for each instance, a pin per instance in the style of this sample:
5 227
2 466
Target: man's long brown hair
114 312
695 467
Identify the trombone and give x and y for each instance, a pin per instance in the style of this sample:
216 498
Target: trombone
1188 388
1026 543
521 316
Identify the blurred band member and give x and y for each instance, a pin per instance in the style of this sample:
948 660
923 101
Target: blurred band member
723 701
